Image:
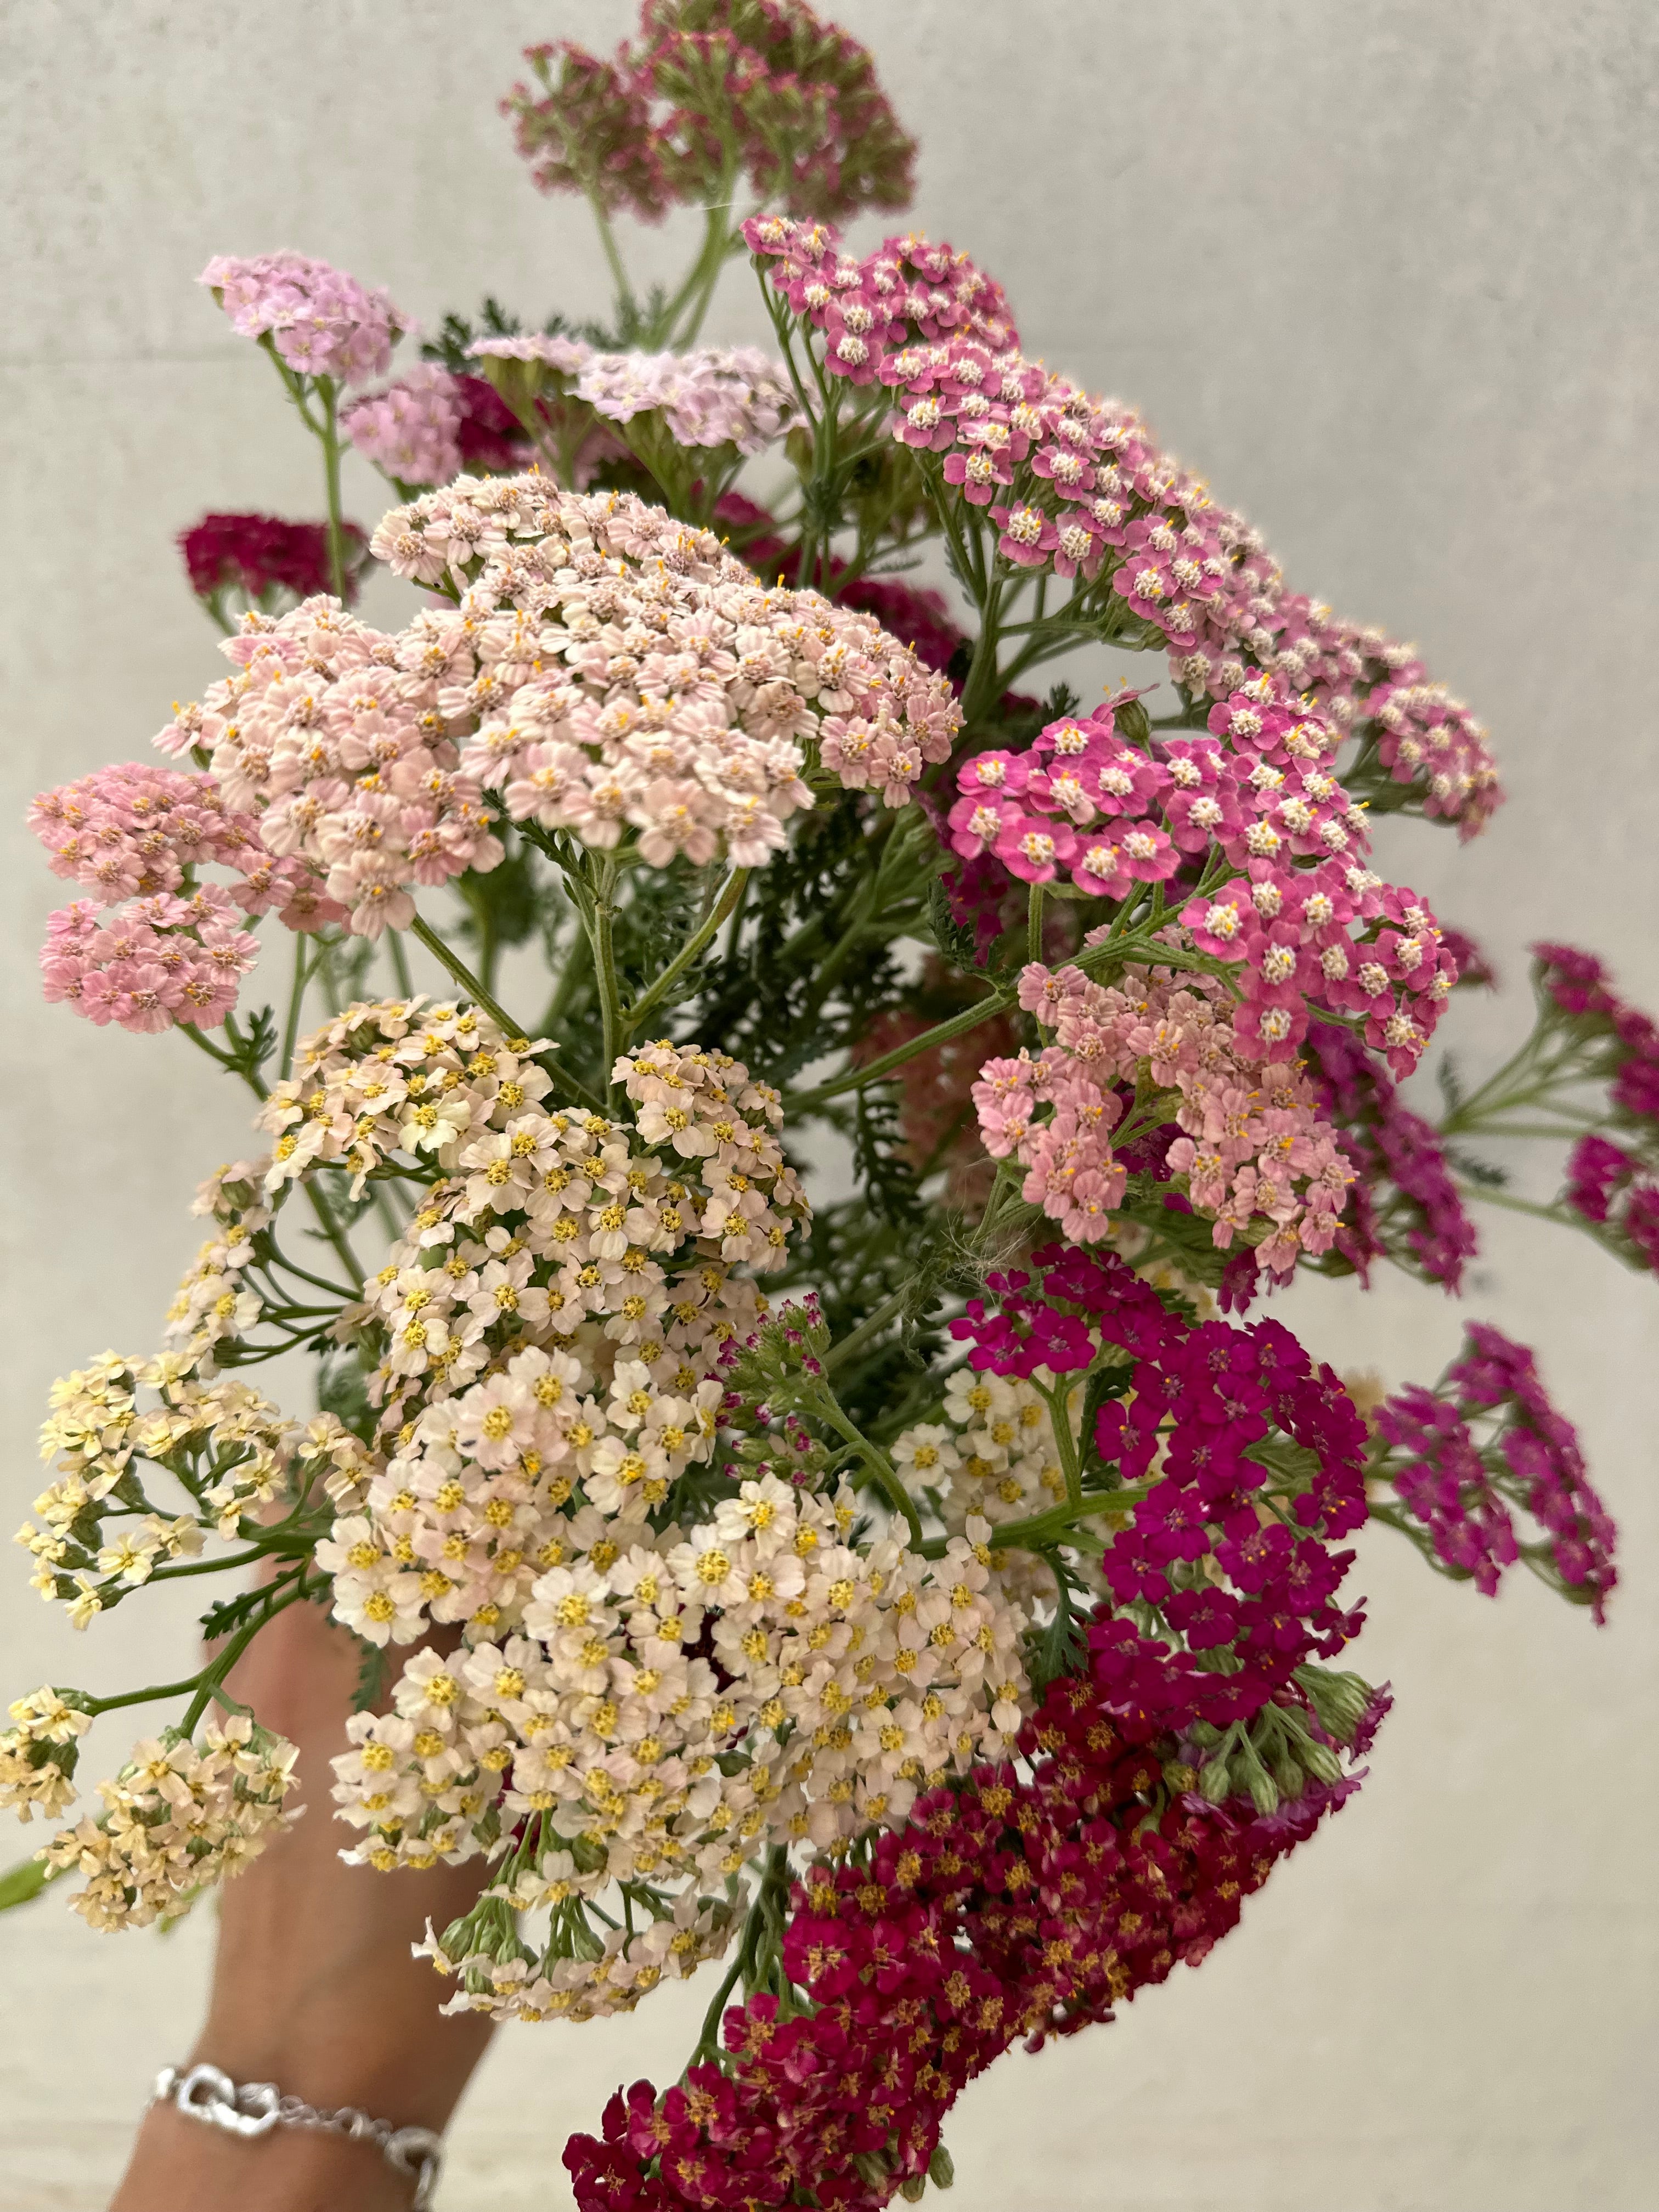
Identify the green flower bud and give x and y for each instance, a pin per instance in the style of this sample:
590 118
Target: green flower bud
941 2168
1133 723
1321 1761
1214 1783
1264 1795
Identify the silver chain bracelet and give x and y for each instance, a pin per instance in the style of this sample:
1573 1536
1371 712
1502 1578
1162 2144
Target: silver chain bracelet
253 2108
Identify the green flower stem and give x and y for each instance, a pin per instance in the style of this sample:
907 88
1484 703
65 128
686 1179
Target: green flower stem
302 951
825 1406
463 974
1051 1528
627 304
698 942
707 2046
330 436
210 1688
1034 923
870 1325
1065 1442
335 1235
475 990
600 917
399 957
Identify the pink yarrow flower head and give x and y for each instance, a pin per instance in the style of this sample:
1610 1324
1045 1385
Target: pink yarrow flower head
375 764
431 424
151 963
321 321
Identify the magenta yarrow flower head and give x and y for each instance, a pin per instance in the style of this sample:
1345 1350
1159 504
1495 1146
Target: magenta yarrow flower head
1484 1444
321 321
1405 1204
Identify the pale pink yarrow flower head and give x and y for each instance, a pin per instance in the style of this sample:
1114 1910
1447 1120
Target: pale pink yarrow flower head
321 321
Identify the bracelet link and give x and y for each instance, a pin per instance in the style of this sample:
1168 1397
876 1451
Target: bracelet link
252 2109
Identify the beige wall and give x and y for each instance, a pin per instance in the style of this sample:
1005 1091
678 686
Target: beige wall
1389 274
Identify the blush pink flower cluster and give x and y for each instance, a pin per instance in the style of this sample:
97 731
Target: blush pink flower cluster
1243 1130
175 951
628 674
132 828
321 321
714 395
338 738
151 963
430 424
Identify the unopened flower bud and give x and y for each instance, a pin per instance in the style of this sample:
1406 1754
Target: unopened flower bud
1214 1783
1321 1761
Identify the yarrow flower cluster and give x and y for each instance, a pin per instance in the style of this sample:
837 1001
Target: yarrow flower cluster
1117 818
556 1327
632 675
1485 1443
1404 1200
1189 1408
320 321
715 396
1077 487
181 1816
175 951
260 560
1242 1129
232 1451
430 425
1613 1176
765 87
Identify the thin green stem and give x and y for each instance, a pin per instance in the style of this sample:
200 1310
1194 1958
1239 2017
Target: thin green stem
405 981
295 1000
1034 923
628 306
464 975
695 943
331 442
335 1235
211 1681
872 1325
878 1461
1051 1528
602 929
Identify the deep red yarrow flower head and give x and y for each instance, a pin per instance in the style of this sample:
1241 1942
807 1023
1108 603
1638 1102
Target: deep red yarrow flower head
262 556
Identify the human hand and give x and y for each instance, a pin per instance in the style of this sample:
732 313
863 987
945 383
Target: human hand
314 1987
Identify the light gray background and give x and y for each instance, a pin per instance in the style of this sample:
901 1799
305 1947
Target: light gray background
1387 273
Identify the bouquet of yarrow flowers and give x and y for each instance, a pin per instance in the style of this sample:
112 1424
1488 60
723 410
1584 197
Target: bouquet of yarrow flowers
930 1603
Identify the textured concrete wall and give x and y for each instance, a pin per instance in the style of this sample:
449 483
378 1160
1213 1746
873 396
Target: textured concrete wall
1389 274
